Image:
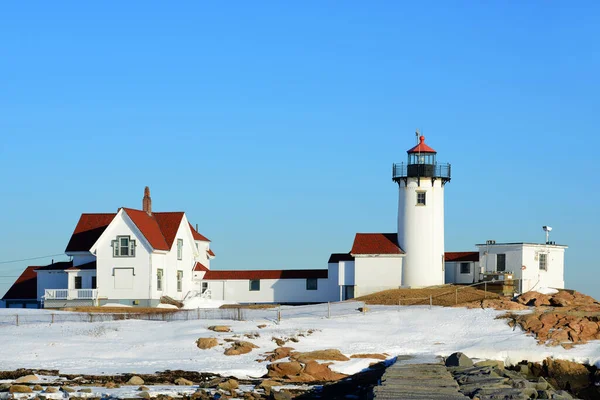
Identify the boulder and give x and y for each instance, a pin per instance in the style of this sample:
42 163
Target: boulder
281 395
51 389
135 380
27 379
143 388
67 389
490 363
20 389
183 382
144 395
220 328
567 375
324 355
38 388
282 369
458 360
261 326
206 343
278 341
229 385
279 353
300 378
535 299
4 387
85 390
376 356
267 384
321 372
240 347
562 299
110 385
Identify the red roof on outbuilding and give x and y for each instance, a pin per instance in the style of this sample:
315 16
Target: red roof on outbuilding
267 274
88 230
25 287
421 147
455 256
376 243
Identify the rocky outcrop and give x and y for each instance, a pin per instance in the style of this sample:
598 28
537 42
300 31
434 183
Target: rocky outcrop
297 372
458 360
324 355
27 379
567 375
135 380
558 328
219 328
240 347
534 299
20 389
206 343
376 356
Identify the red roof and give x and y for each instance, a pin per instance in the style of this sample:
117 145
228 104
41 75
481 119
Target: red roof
454 256
88 230
200 267
376 243
149 227
210 253
168 222
267 274
421 147
25 287
198 236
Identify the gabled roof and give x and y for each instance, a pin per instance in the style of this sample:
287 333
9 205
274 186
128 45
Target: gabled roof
25 287
456 256
266 274
376 243
168 223
421 147
211 253
197 235
200 267
149 227
337 257
57 266
88 230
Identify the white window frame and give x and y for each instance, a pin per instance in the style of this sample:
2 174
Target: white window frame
179 280
118 247
543 261
179 249
424 199
159 279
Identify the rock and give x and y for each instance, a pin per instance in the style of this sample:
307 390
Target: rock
281 395
206 343
541 384
67 389
567 375
278 341
369 355
267 384
279 353
143 388
300 378
183 382
321 372
562 299
135 380
325 355
261 326
229 385
211 383
51 389
490 363
220 328
281 369
38 388
110 385
534 299
240 347
144 395
27 379
85 390
458 360
20 389
4 387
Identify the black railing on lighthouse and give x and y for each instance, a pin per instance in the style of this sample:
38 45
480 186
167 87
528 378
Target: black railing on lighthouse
436 171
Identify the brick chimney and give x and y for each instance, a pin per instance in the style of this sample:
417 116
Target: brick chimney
147 202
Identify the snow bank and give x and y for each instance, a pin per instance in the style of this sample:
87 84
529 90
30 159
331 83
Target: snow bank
546 290
130 346
201 302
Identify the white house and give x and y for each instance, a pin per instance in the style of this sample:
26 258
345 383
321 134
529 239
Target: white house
131 257
462 267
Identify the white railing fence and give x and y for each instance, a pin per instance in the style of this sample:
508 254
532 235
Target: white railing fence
70 294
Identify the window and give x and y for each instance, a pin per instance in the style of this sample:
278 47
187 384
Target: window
78 282
311 284
204 287
421 198
543 259
179 249
500 262
254 285
123 246
159 279
465 268
94 284
179 281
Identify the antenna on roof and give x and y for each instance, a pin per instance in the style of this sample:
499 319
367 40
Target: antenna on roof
547 229
418 134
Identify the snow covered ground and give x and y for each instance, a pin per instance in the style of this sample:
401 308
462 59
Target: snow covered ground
135 346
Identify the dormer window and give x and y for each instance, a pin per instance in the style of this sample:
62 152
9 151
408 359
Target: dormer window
179 249
123 246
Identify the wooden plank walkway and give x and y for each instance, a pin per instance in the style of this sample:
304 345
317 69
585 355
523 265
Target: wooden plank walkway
418 382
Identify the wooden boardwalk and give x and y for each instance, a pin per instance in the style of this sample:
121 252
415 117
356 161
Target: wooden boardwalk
418 382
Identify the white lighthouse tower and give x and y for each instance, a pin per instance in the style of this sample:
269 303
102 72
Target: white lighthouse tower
421 215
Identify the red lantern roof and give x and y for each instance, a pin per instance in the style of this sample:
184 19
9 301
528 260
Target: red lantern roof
421 147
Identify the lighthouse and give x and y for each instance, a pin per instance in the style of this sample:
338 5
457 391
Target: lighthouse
421 182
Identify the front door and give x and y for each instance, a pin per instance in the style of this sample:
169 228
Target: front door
348 292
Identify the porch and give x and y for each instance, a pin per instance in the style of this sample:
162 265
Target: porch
58 298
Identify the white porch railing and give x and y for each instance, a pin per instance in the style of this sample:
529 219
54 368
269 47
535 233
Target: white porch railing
71 294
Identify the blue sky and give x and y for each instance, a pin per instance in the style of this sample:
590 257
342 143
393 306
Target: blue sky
274 125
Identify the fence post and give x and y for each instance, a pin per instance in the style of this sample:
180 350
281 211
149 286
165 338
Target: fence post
91 317
279 314
430 301
456 297
239 316
328 310
52 318
485 290
17 319
399 304
198 312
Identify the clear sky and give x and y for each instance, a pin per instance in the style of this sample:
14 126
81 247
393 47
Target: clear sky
274 125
